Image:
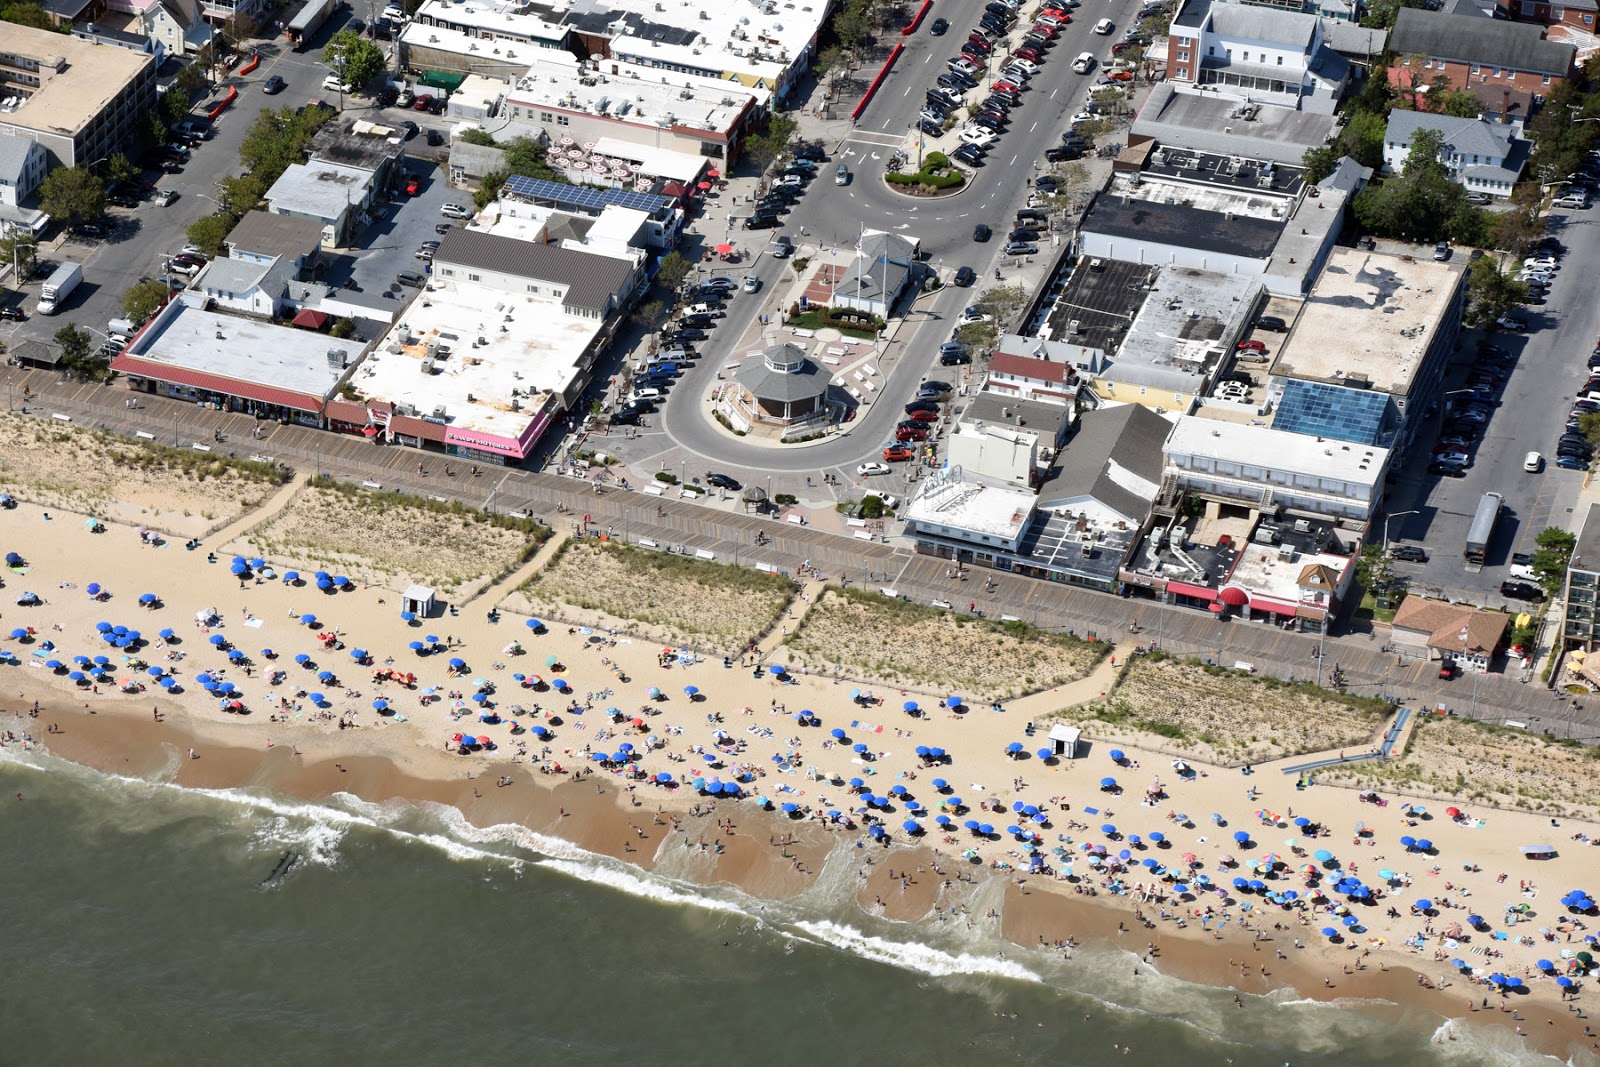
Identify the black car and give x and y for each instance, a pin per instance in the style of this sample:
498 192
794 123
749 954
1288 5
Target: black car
1271 322
627 418
999 102
435 138
699 322
1072 140
13 314
762 222
1447 470
1023 234
1520 591
772 206
970 154
939 27
722 481
954 359
981 233
690 333
931 128
965 276
273 85
988 122
1062 155
90 229
1045 182
410 127
121 200
813 152
1409 553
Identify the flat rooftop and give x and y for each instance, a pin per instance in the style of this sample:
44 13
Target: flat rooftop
1045 421
998 511
246 349
1224 170
87 77
1262 570
653 162
1369 318
1209 218
1178 116
649 98
488 344
1188 322
318 189
1059 542
1277 450
1586 553
1103 303
358 143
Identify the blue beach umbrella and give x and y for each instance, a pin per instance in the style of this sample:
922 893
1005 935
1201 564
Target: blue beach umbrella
859 746
167 681
1116 755
309 619
416 646
942 820
940 785
324 584
217 639
952 702
302 659
1108 829
155 672
458 663
380 704
910 705
147 598
239 568
93 588
290 576
1241 837
857 783
1322 855
325 676
408 616
1424 845
358 654
1107 783
987 829
54 664
1328 931
167 635
837 733
899 790
1408 842
1014 747
1423 904
1302 821
318 699
911 826
1157 837
100 627
691 690
776 669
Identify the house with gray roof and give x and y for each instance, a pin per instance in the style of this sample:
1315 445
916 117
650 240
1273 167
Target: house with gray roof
884 266
1492 58
1484 157
247 287
23 163
1112 466
1257 54
262 237
587 284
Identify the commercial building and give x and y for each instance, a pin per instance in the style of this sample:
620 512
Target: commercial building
240 364
353 164
262 237
1265 54
80 101
1179 115
498 347
1495 59
1367 354
1038 370
1481 156
884 269
1006 439
1581 627
1171 206
763 46
663 216
578 102
1263 469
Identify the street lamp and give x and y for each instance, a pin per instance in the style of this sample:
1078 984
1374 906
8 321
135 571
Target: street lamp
1389 518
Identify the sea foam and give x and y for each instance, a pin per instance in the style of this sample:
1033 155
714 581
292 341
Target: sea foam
914 957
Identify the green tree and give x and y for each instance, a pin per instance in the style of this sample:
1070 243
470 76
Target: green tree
74 349
21 248
1362 138
473 135
73 194
650 315
144 299
1375 97
1002 302
852 28
1382 13
830 60
359 59
191 78
175 104
772 142
26 13
1491 292
342 327
119 168
209 231
1589 426
526 157
489 188
1553 551
673 270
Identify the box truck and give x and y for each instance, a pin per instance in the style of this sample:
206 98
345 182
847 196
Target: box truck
58 287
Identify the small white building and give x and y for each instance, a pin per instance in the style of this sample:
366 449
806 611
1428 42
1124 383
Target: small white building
1264 468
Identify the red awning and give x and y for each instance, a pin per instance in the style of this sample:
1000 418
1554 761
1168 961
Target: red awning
1235 597
311 319
216 383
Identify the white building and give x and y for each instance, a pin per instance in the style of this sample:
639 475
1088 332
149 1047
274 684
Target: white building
1481 156
949 506
23 164
1258 53
577 103
1264 468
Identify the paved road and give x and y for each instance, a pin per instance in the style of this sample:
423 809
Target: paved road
831 217
1550 365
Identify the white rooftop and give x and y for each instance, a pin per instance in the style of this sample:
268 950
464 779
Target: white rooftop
605 234
1250 203
1260 570
246 349
535 354
1276 450
1370 315
319 190
647 98
996 510
656 162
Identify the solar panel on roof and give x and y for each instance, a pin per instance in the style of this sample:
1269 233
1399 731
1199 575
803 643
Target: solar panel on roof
584 196
1323 410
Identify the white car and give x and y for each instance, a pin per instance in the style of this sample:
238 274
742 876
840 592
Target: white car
1084 63
973 315
455 211
1026 64
789 179
1104 27
649 392
872 468
331 84
979 136
1540 263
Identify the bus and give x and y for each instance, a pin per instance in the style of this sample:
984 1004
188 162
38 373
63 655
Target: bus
1481 532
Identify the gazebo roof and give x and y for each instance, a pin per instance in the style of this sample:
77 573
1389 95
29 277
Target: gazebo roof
805 382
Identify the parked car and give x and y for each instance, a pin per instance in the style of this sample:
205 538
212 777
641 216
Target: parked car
970 154
897 453
1521 591
273 85
1021 248
455 211
965 276
1447 470
1409 553
867 469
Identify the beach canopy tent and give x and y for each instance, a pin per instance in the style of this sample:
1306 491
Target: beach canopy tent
1538 852
1064 739
417 599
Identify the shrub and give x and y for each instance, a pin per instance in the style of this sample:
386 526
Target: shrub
667 477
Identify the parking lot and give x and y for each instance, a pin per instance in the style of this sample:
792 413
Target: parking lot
1545 367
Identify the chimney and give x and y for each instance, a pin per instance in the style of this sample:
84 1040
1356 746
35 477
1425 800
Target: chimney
1505 107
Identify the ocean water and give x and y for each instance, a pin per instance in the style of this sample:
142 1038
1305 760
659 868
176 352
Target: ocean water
137 929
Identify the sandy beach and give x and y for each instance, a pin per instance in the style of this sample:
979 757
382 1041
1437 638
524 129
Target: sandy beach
743 726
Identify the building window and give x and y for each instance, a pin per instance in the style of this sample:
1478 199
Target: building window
1477 68
1499 72
1546 79
475 277
545 116
1183 57
1280 61
563 120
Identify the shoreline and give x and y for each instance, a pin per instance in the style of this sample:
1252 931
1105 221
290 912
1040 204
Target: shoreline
596 818
739 724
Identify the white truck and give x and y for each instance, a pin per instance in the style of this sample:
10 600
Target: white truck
59 286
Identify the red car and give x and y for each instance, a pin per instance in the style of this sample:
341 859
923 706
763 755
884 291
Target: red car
1044 29
1055 13
923 415
1003 86
413 186
423 102
911 435
1027 52
1252 345
897 453
1120 75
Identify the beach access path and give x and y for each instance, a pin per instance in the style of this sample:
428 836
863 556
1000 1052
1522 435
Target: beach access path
730 537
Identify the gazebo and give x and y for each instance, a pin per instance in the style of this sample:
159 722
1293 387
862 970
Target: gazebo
783 384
